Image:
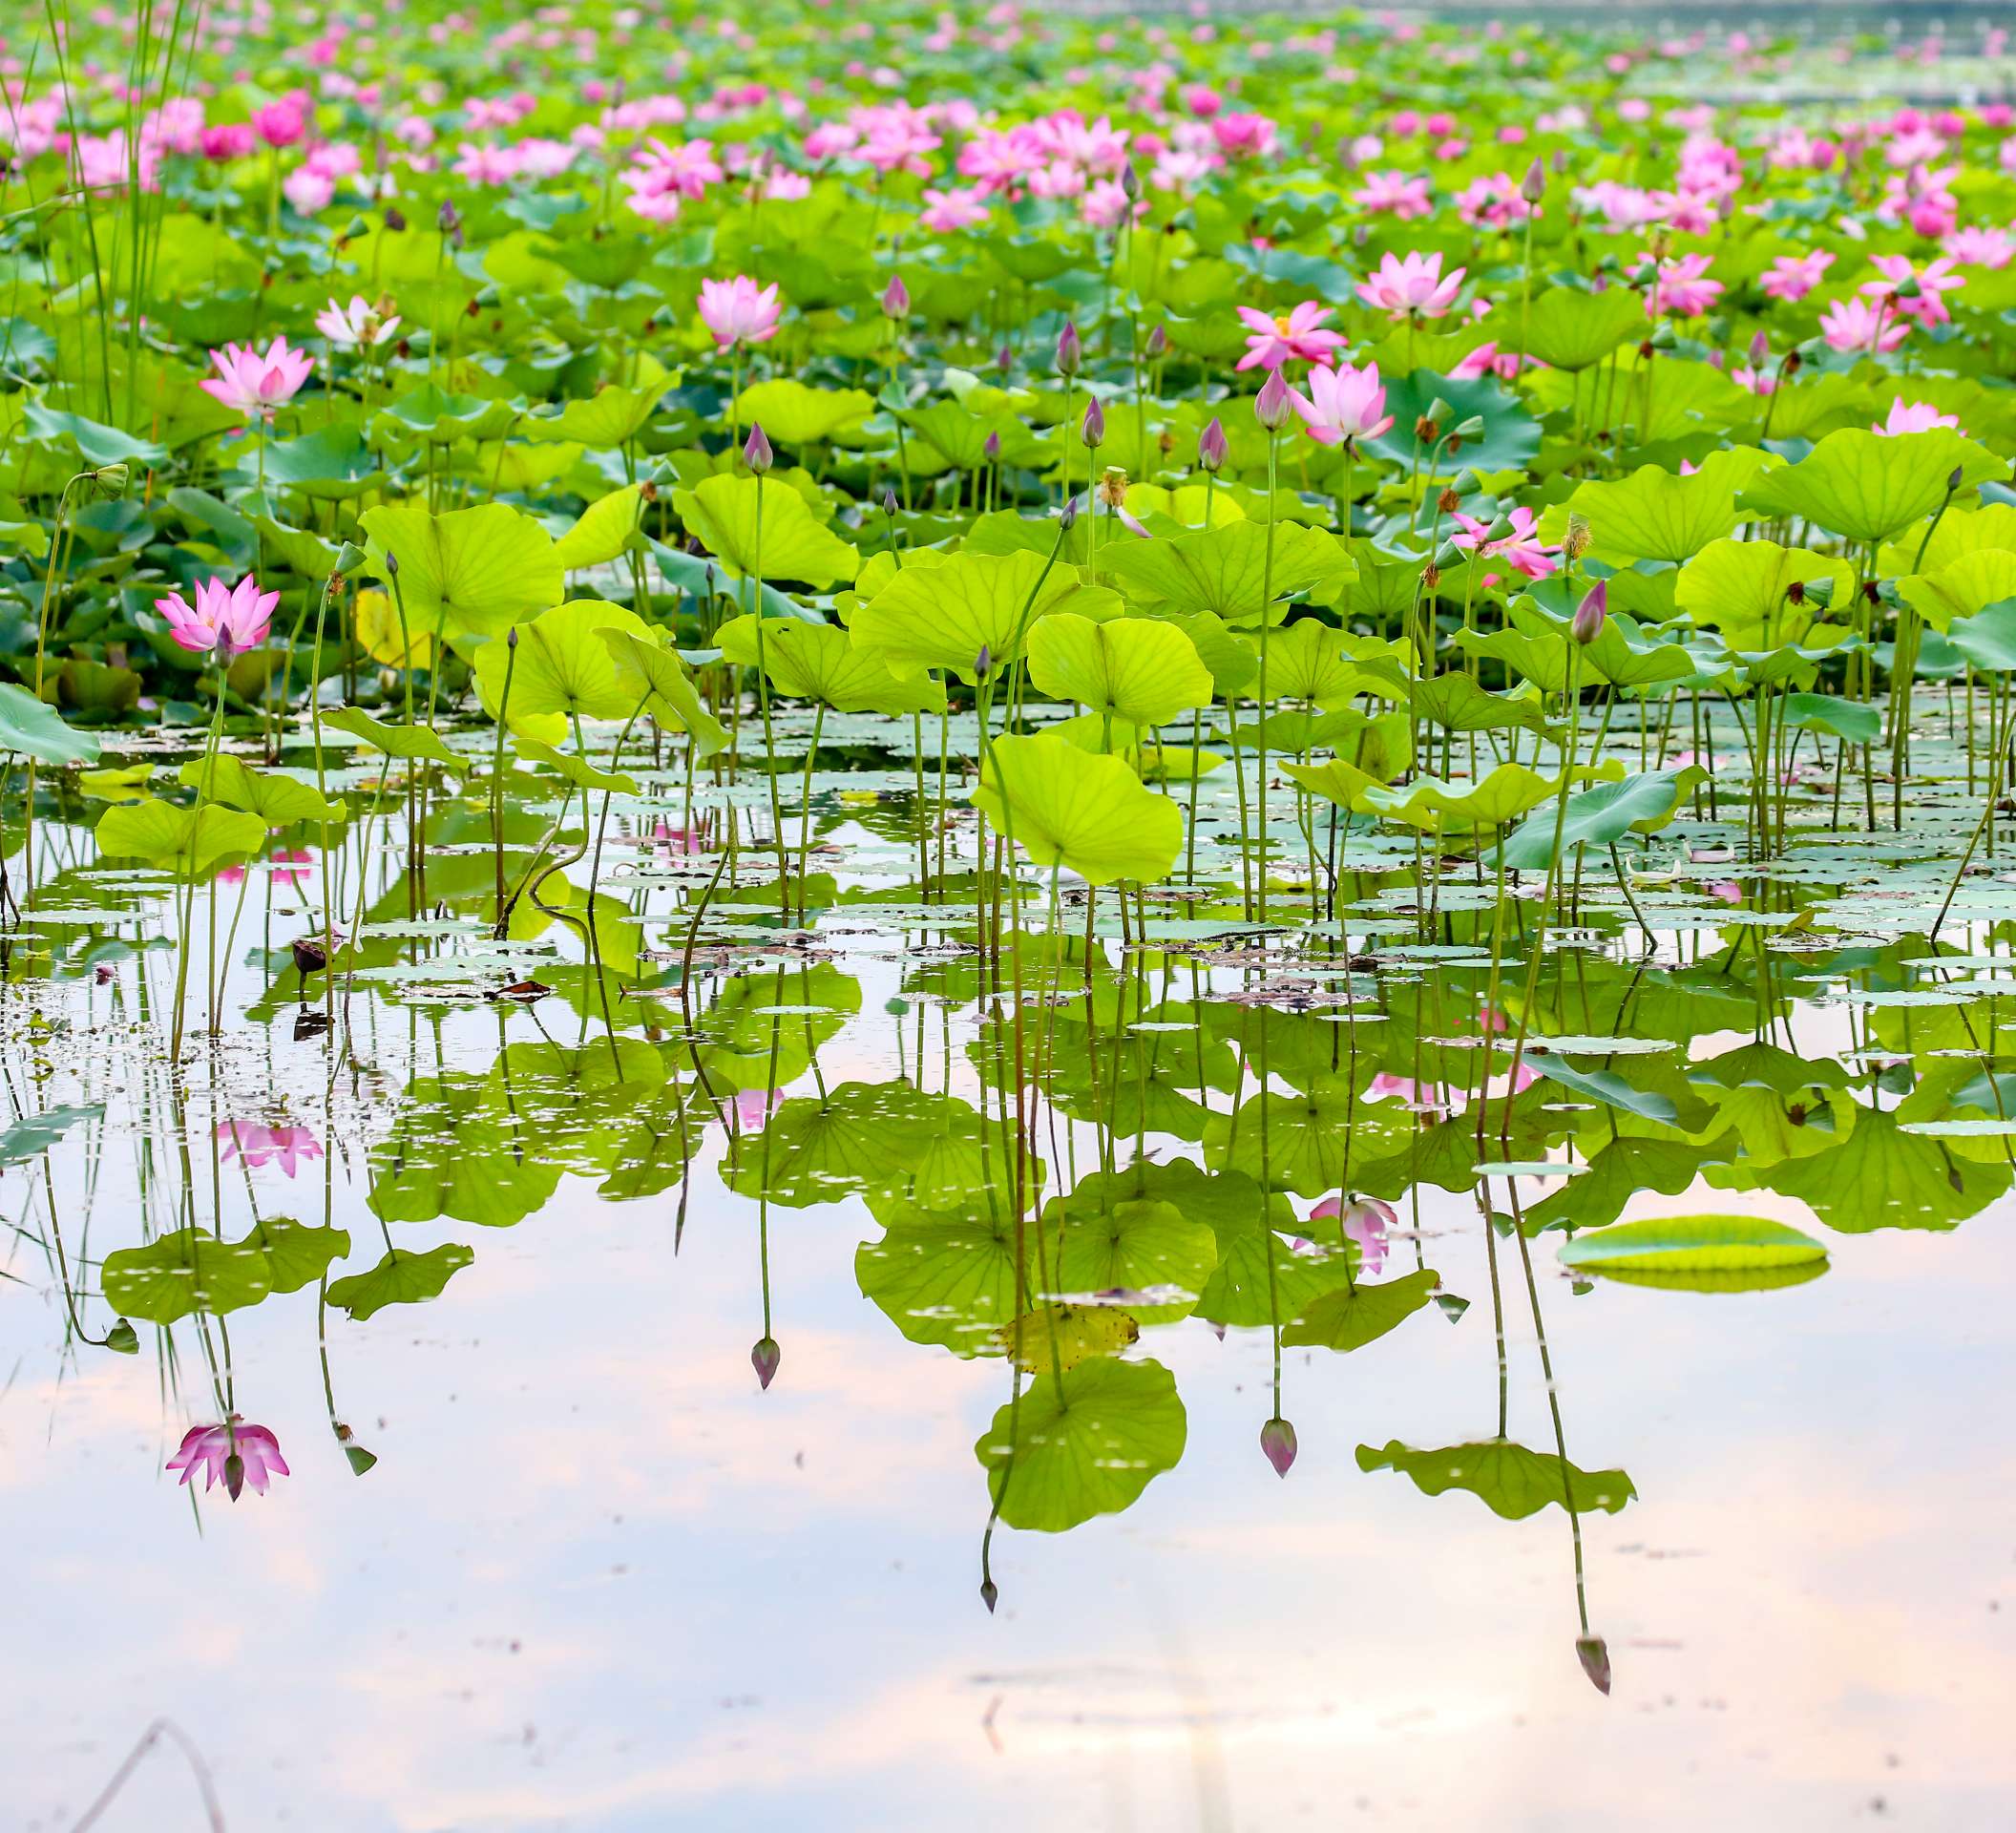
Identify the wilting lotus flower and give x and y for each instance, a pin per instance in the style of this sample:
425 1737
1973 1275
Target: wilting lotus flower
1413 286
359 326
238 1453
1364 1220
253 382
235 617
1519 546
1344 404
259 1145
1297 336
739 311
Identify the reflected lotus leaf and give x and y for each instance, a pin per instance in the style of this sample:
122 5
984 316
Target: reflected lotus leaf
1511 1481
400 1278
1085 1446
1351 1316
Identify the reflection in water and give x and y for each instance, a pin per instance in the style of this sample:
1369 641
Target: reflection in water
1066 1126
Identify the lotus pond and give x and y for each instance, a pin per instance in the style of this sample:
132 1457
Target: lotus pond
916 914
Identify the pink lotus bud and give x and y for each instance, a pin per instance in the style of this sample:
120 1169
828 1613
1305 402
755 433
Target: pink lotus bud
1093 429
895 298
1157 341
1595 1658
756 453
1591 613
1534 185
765 1357
1759 350
1211 448
1278 1438
992 449
1068 520
1275 406
1070 355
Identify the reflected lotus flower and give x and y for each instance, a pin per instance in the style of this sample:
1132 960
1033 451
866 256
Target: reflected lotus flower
678 842
293 866
1364 1220
751 1107
1423 1097
260 1144
236 618
253 382
238 1453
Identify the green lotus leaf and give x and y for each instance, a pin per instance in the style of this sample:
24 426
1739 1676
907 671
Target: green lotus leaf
1146 1250
332 464
562 666
1351 1316
1511 1480
1600 817
1962 589
279 801
946 617
1693 1244
411 743
193 841
28 1138
401 1278
578 772
472 569
1741 587
1064 807
791 544
1085 1446
1867 486
821 662
794 415
1658 514
1137 669
1457 703
1567 328
1226 570
603 529
28 728
646 671
613 415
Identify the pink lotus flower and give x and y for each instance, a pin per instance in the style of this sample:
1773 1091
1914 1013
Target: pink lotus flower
1286 337
1520 548
1855 325
253 382
260 1144
750 1109
238 1453
1432 1098
1413 286
1487 359
1991 248
233 618
1791 277
294 868
1920 417
1683 289
228 140
1393 193
1364 1220
739 311
1930 280
359 326
1343 404
947 212
282 123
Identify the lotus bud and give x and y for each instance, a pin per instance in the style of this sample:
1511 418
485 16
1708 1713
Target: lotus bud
1157 341
1577 542
1211 448
1278 1438
1093 429
1068 520
983 664
991 450
1759 349
1130 181
1591 613
756 453
763 1359
1004 358
889 505
990 1594
391 564
122 1338
1534 185
110 481
1595 1658
234 1476
1273 407
1955 479
895 298
1070 354
511 636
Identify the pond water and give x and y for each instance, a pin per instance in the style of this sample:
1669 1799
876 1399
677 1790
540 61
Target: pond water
598 1575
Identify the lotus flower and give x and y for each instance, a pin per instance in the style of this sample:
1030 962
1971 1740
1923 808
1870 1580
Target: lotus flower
1855 325
1344 404
359 326
1413 286
259 1145
739 311
1364 1220
253 382
237 1452
1287 337
233 618
1791 277
1917 417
